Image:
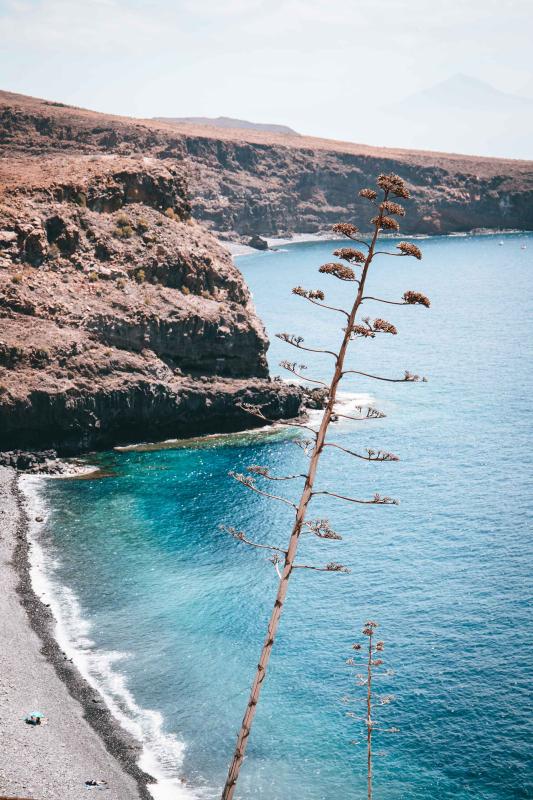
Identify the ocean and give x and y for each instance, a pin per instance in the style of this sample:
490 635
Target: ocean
166 614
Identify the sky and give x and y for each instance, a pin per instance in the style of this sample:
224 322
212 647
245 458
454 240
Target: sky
328 68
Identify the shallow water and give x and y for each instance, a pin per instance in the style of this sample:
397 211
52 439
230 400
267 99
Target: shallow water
168 613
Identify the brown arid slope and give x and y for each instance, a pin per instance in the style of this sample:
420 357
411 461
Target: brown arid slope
253 182
121 317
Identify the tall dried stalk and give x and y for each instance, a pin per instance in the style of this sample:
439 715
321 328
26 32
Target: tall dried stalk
369 723
373 664
385 219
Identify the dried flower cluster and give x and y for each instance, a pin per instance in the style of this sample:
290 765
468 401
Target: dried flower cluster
369 329
408 376
394 184
351 255
322 529
338 270
334 567
362 330
409 249
236 534
381 325
292 366
390 207
385 501
369 194
372 413
309 294
386 223
306 445
381 455
290 338
346 228
416 299
257 470
369 628
246 480
264 472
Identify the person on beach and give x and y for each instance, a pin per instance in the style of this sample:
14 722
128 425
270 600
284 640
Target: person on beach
35 718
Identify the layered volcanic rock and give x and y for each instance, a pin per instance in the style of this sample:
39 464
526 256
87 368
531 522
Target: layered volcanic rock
251 182
121 318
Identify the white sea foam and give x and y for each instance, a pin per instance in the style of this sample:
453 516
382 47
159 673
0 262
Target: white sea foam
346 403
189 442
162 753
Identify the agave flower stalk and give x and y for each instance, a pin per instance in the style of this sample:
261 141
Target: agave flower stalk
374 663
284 558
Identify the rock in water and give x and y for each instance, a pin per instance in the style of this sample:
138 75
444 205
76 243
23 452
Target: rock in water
257 242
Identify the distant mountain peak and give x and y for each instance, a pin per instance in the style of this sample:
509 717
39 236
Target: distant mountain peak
461 78
464 114
463 91
229 122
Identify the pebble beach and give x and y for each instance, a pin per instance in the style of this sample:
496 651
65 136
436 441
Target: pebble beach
80 741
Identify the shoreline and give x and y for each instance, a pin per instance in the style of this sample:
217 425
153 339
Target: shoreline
83 740
123 751
236 248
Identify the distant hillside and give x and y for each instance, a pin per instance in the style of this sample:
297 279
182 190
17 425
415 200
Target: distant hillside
229 122
246 182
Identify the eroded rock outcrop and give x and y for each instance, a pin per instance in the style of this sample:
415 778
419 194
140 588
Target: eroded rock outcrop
121 318
247 183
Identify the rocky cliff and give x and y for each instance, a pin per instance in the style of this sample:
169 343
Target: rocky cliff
121 318
278 190
252 182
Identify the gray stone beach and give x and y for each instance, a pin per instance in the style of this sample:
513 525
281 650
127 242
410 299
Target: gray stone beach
80 741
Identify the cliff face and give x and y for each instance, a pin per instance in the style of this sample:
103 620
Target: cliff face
121 318
277 190
252 182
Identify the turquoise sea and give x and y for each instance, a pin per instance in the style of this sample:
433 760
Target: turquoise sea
167 613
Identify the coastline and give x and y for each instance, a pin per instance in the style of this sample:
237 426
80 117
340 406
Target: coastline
82 740
37 629
41 621
237 249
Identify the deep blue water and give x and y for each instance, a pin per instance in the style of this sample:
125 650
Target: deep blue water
446 573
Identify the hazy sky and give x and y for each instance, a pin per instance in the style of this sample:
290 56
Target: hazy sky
321 66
